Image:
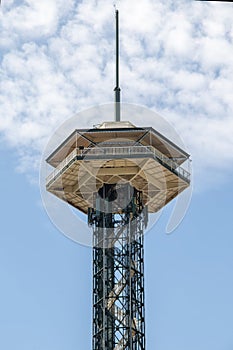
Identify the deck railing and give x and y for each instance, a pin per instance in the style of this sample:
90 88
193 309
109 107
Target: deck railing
121 151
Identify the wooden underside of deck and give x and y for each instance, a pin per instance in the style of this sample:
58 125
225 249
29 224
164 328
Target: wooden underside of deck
82 178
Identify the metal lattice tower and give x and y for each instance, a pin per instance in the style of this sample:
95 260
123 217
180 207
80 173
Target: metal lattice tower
117 173
118 270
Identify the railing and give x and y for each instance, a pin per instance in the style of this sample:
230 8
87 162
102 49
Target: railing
62 165
121 151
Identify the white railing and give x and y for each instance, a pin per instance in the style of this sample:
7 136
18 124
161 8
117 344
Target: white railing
120 151
62 165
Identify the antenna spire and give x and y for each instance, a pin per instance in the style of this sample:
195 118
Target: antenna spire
117 88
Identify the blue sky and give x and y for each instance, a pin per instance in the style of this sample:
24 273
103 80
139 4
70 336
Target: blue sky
45 297
179 62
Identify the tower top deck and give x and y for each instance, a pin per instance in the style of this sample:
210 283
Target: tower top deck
107 131
116 153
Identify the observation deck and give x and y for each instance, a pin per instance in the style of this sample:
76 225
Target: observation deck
116 153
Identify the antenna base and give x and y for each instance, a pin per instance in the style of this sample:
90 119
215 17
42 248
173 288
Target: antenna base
117 104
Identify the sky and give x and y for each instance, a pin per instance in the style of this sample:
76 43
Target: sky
57 60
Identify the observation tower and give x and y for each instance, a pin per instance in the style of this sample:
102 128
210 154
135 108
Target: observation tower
117 174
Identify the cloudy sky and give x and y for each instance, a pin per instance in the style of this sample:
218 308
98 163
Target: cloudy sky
57 59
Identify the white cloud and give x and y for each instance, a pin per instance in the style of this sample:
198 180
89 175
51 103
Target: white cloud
31 20
176 57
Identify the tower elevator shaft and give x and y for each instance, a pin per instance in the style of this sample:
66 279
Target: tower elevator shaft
118 219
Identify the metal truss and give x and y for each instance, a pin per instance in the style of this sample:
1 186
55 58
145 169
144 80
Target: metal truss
118 268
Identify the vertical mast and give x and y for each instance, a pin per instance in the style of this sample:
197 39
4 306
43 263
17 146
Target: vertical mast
117 88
